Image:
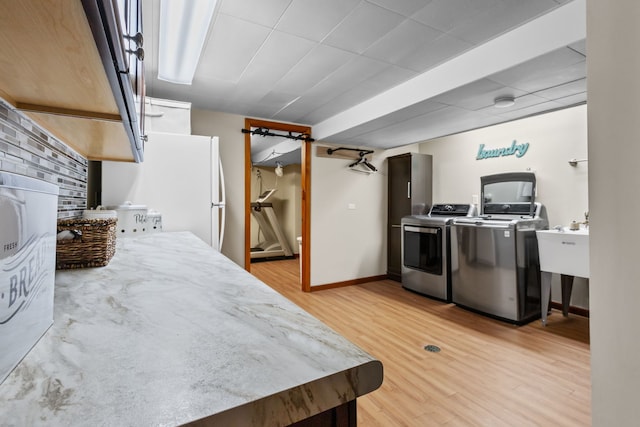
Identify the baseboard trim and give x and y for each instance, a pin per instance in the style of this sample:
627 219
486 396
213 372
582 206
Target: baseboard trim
348 283
572 309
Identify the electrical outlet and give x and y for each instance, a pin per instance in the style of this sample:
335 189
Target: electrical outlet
351 206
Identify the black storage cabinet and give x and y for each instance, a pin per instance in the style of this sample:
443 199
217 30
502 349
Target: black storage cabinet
409 193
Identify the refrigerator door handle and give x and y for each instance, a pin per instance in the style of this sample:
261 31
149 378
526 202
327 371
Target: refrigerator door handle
222 204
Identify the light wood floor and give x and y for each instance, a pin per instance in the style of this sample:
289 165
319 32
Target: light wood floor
488 373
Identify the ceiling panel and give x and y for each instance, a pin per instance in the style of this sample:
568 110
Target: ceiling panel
531 110
313 68
296 111
578 98
403 7
231 46
363 27
306 61
279 53
388 77
264 12
446 15
581 47
314 19
554 68
476 95
433 53
437 123
342 80
564 90
401 42
521 104
500 17
396 117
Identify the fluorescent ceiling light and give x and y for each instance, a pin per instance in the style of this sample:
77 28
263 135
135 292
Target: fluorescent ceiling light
183 28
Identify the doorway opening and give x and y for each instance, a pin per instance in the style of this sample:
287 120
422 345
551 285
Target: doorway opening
305 206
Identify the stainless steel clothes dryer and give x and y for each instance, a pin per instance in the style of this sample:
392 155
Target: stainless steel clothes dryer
426 250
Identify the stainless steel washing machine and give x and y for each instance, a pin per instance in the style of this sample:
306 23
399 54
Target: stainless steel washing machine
426 249
496 269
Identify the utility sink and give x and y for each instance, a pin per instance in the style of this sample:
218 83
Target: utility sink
564 251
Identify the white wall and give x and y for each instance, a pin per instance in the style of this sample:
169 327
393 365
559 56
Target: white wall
613 66
348 244
553 139
228 128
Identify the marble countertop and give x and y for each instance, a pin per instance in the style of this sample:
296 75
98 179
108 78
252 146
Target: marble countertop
172 331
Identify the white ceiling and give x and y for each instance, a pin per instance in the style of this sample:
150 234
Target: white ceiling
383 73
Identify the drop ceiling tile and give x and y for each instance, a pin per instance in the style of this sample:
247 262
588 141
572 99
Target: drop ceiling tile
346 77
532 110
564 90
433 53
263 12
580 46
363 27
314 19
549 70
403 7
500 17
388 77
399 116
476 95
313 68
445 15
203 93
275 101
231 45
521 103
578 98
343 101
279 53
401 42
297 111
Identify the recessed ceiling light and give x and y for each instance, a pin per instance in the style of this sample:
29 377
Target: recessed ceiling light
504 101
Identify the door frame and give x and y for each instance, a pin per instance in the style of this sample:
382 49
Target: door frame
305 169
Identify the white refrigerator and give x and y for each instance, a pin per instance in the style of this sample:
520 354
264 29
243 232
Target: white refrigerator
181 177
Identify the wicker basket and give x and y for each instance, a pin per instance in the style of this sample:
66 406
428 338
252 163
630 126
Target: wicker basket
93 244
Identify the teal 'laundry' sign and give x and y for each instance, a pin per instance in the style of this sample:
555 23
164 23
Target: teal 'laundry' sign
516 149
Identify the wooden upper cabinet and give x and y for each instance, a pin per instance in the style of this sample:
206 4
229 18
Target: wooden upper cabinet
51 69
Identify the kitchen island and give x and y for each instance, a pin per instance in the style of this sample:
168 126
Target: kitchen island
172 332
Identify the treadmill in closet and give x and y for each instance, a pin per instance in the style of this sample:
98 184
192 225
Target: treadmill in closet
496 269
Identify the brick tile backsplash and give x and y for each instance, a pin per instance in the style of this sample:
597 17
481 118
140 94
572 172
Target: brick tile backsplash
27 149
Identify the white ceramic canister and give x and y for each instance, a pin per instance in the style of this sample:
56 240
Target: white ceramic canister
154 219
132 219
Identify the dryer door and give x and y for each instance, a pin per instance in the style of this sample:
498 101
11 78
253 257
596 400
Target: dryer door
422 248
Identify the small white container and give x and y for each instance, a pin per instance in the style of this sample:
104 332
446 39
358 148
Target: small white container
132 219
99 213
154 219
